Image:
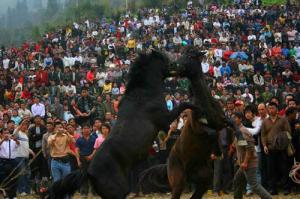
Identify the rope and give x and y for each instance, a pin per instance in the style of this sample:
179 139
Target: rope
3 191
295 173
7 180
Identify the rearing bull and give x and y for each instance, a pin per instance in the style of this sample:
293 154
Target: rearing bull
142 113
189 159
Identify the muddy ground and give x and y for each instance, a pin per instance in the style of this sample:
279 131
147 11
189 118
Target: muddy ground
185 196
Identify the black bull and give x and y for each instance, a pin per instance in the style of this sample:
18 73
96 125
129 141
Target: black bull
142 113
189 159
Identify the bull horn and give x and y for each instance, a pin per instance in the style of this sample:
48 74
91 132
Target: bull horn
203 120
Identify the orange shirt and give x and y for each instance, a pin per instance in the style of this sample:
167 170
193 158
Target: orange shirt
59 144
276 51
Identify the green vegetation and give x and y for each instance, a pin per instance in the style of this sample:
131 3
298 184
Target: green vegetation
274 2
20 24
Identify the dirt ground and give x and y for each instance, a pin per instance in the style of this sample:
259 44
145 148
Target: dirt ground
185 196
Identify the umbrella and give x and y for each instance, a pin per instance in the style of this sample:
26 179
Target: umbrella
241 55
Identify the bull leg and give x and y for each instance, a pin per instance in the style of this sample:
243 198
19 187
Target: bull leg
117 188
202 179
176 177
200 191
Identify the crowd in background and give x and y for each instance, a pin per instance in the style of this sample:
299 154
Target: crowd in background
70 84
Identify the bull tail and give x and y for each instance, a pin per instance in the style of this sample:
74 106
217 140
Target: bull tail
154 180
68 185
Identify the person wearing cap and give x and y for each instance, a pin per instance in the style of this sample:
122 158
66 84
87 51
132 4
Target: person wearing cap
239 106
247 161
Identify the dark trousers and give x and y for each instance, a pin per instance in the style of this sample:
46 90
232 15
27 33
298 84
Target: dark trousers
73 163
241 177
223 172
263 169
278 171
39 169
10 184
227 171
24 179
84 189
39 166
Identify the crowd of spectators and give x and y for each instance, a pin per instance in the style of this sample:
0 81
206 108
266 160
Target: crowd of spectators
72 80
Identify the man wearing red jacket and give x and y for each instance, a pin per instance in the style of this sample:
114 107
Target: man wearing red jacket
41 76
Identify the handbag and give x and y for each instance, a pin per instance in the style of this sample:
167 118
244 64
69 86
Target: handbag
290 149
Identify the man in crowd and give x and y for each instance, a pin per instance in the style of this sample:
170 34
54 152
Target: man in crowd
35 134
85 146
59 152
8 151
247 161
268 38
38 108
271 129
45 146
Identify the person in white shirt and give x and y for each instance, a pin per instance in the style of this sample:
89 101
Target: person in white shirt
78 58
8 151
278 36
218 53
23 111
251 37
217 71
256 122
248 96
38 108
5 62
66 61
291 34
198 41
297 48
177 39
258 79
70 88
22 157
205 65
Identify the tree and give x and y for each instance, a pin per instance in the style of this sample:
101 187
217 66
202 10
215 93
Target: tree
9 17
274 2
36 32
37 4
52 6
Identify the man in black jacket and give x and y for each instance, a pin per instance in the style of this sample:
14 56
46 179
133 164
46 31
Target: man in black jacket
86 105
39 166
